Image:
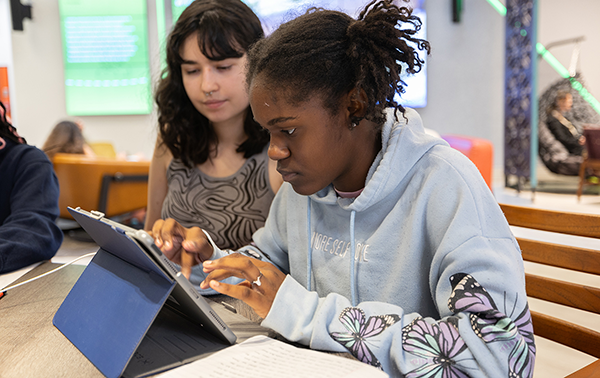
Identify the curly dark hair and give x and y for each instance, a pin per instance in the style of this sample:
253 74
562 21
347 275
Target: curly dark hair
329 53
225 29
7 130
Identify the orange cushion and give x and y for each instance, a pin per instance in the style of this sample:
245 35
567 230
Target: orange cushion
480 151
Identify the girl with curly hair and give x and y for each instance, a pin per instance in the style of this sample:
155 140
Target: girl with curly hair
210 167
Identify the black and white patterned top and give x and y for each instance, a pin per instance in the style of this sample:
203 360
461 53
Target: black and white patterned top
229 208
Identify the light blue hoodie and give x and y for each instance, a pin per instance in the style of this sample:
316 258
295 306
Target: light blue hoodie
418 275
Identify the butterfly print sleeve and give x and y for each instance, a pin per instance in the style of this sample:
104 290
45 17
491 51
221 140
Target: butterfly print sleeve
477 340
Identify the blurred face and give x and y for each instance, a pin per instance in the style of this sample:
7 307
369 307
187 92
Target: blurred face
565 104
216 88
312 148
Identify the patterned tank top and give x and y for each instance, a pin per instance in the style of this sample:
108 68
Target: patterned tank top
229 208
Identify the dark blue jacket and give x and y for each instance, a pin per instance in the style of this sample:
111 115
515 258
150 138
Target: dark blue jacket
28 207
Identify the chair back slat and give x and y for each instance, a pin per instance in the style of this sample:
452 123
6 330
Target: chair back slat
566 293
563 256
569 334
579 259
587 225
590 371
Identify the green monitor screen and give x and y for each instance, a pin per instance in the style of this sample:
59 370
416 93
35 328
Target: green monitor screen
105 54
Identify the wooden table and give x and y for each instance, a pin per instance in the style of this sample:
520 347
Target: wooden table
30 345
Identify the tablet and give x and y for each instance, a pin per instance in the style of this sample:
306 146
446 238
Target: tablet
131 312
184 293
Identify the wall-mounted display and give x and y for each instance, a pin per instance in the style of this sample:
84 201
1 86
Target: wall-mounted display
105 53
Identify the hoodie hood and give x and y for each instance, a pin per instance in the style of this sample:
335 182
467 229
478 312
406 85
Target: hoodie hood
404 142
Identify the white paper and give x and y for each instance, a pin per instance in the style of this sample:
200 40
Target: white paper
263 357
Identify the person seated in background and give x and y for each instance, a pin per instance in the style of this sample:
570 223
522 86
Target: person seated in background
210 167
67 137
562 129
28 202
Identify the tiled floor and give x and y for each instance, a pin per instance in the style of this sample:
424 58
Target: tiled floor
553 360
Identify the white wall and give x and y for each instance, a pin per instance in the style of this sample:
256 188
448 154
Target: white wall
559 20
466 71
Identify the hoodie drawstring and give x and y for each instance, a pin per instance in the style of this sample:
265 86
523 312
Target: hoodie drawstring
309 262
352 262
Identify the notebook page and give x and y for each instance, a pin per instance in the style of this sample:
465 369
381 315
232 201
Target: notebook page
263 357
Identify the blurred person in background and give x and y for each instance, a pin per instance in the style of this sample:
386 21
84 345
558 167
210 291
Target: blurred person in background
67 137
563 130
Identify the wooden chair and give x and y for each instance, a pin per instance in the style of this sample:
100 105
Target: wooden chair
591 157
565 293
111 186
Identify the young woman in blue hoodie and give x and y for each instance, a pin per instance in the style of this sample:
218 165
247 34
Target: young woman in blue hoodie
383 241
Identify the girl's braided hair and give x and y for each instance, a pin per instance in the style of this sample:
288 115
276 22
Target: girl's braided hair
329 53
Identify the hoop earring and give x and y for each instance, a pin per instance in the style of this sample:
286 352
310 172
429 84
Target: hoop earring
2 143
